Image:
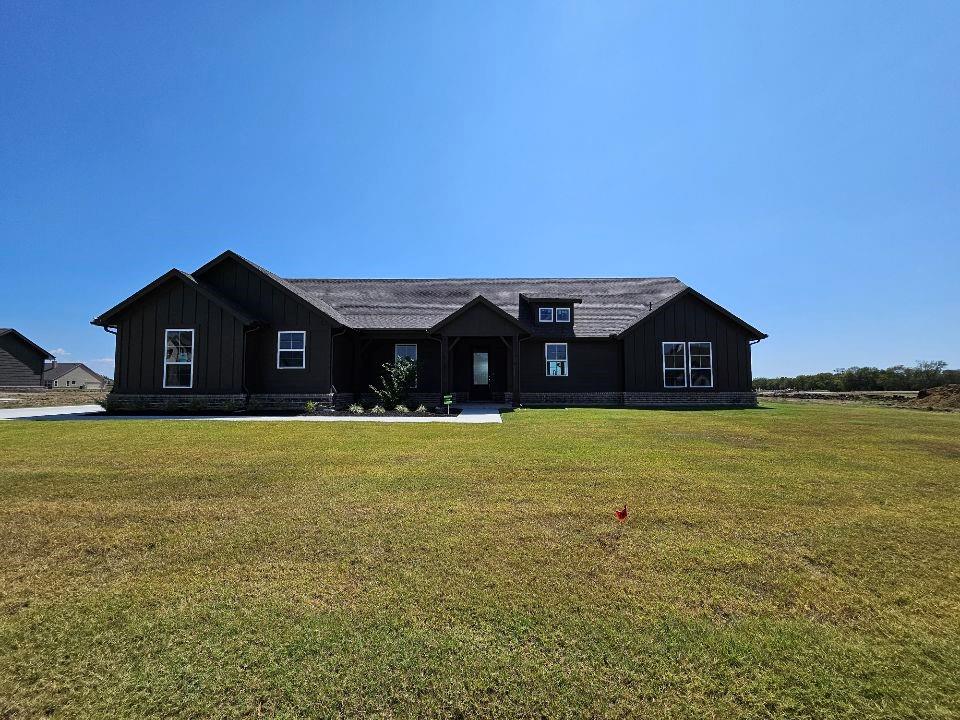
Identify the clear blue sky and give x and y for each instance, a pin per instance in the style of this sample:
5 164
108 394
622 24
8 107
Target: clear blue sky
797 162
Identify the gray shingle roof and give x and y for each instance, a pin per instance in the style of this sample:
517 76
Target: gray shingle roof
62 368
609 305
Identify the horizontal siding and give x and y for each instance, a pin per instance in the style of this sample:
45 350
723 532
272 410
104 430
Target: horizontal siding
20 365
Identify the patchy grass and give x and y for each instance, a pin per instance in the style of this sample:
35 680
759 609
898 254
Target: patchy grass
794 561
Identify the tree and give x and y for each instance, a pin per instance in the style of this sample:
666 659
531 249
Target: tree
399 378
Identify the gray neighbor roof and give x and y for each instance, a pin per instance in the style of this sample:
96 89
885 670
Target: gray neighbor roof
61 369
607 305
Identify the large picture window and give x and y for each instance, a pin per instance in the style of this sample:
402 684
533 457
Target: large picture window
701 364
409 352
178 358
291 349
674 365
556 357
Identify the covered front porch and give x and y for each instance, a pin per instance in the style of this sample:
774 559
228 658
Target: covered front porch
473 354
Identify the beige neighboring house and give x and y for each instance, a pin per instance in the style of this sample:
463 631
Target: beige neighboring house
74 376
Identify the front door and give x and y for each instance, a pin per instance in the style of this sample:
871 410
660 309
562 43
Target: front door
480 389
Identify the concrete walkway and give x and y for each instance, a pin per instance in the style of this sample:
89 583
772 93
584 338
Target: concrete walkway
62 412
470 414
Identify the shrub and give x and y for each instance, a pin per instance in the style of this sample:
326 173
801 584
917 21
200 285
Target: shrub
377 410
421 409
355 409
310 407
401 409
399 378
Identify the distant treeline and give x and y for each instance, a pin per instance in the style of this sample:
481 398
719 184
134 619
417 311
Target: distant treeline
899 377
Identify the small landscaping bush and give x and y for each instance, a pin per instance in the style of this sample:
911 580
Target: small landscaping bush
310 407
401 409
421 409
377 410
355 409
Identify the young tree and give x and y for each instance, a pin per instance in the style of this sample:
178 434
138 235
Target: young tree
396 383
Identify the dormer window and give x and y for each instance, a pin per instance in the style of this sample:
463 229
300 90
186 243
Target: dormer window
546 314
563 315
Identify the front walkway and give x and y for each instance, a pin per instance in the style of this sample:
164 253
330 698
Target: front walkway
470 414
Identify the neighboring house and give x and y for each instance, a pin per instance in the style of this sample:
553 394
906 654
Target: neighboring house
76 376
21 360
232 333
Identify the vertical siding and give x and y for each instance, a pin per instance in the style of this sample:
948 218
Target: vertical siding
279 311
687 320
140 338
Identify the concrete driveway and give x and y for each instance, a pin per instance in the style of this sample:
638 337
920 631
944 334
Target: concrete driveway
469 414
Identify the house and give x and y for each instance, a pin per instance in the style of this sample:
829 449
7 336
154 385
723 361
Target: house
233 334
75 376
21 360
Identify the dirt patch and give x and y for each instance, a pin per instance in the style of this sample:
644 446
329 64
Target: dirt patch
51 398
943 397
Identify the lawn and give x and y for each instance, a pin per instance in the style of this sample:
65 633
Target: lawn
791 561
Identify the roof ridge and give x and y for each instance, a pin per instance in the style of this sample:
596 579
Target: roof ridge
482 279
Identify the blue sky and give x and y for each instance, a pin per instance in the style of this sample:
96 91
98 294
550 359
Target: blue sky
799 163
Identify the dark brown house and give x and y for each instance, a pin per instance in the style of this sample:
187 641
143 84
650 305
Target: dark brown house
21 360
234 334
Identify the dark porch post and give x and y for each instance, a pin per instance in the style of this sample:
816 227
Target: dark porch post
444 365
516 369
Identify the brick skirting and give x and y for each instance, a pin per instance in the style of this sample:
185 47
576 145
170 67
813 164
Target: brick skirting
688 398
295 402
116 402
574 398
641 399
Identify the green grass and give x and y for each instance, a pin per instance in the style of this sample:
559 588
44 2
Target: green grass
794 561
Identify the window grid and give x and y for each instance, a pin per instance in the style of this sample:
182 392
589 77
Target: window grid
557 363
178 344
701 364
291 350
408 351
674 364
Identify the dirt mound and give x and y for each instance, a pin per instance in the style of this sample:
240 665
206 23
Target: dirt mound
943 397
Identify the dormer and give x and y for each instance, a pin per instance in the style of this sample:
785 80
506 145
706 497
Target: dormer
554 315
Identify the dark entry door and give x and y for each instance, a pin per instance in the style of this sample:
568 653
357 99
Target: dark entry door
480 387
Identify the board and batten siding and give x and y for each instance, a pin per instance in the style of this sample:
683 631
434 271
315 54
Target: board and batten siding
20 365
218 342
688 319
594 366
278 310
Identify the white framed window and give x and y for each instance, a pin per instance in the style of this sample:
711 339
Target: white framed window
56 383
408 351
178 358
674 364
701 364
546 315
556 358
291 350
563 314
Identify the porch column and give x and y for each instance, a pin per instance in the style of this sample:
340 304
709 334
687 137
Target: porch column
444 365
516 369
